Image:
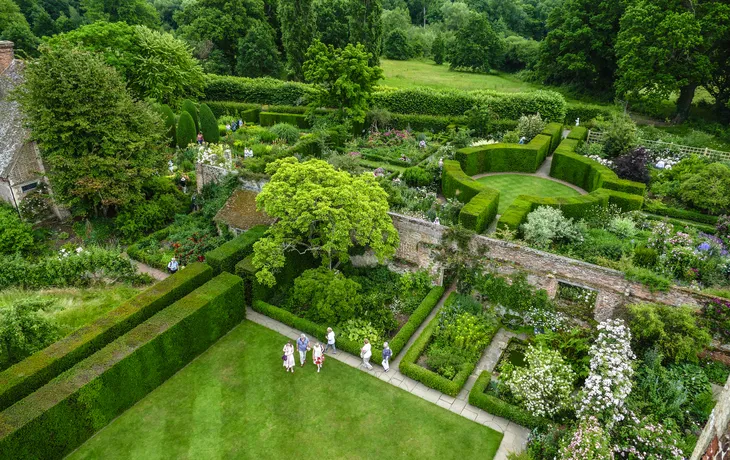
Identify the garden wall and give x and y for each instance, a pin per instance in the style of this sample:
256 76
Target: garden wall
545 270
714 442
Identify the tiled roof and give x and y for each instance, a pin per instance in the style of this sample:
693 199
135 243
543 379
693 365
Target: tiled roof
12 133
240 211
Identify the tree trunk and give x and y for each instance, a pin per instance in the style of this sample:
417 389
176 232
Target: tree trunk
684 102
424 15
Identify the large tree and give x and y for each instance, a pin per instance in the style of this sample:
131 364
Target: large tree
661 50
14 27
130 11
100 145
297 32
579 49
716 24
322 212
343 78
214 28
477 47
333 25
257 53
155 65
366 26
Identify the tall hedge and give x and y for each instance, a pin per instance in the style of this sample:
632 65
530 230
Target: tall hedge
505 157
186 133
225 257
35 371
208 124
59 417
256 90
190 107
168 117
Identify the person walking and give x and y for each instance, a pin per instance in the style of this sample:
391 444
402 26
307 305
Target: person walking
173 266
331 341
365 353
303 347
200 138
318 356
387 354
288 357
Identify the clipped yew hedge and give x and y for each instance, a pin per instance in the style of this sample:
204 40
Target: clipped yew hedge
555 131
256 90
245 111
272 118
225 257
35 371
505 157
478 397
59 417
456 184
478 213
659 208
589 174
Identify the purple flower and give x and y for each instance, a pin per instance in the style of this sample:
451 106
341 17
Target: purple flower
704 246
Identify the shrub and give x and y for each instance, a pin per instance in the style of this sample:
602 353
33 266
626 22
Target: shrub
396 46
168 116
35 371
707 189
623 227
723 226
438 49
56 419
325 296
652 280
225 257
645 257
673 330
209 125
634 165
547 225
544 385
716 314
620 135
530 126
511 137
24 331
589 442
15 235
357 330
481 398
294 119
286 132
186 132
191 108
417 176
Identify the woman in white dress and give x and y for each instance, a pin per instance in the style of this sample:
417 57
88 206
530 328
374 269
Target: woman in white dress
288 357
318 356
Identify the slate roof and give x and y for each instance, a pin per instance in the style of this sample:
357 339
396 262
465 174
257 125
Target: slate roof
12 133
240 211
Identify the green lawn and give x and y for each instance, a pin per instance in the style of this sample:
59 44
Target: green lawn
406 74
510 186
236 401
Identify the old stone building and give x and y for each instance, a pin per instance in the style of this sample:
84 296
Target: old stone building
21 167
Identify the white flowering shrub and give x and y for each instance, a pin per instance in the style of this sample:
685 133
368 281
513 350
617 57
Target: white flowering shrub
589 442
546 225
530 126
544 386
215 155
645 439
609 382
623 227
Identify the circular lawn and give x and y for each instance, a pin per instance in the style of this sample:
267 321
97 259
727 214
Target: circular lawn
511 186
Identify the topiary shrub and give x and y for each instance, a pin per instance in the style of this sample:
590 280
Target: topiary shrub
186 133
286 132
417 176
209 125
190 107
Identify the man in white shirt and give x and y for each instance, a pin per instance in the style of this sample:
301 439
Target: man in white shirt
331 341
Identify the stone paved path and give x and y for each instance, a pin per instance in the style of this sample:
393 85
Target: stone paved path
159 275
515 436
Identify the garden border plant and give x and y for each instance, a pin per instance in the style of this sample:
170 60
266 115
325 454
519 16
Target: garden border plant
59 417
410 368
23 378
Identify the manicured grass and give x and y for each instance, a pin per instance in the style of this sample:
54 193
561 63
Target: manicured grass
510 186
236 401
72 308
406 74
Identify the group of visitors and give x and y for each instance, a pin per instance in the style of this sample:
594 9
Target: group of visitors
303 345
232 127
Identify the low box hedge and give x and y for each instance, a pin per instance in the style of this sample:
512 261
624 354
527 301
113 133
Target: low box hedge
432 123
555 131
225 257
578 133
659 208
417 318
271 118
409 368
59 417
35 371
495 406
247 112
480 211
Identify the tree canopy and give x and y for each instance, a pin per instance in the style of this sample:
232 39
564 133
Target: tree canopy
323 212
477 46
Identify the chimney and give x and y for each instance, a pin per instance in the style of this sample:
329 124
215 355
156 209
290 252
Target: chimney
6 55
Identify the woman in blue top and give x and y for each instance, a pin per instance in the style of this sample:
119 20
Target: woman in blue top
387 353
303 347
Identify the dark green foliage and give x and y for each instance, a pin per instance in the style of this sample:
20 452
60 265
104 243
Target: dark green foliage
240 110
478 213
191 108
438 49
586 112
24 331
573 345
256 90
35 371
186 133
56 419
333 21
520 53
588 174
417 176
673 330
258 55
169 118
15 27
325 296
479 397
397 46
286 132
225 257
298 28
657 207
645 257
129 11
366 27
162 200
271 119
477 47
208 124
16 236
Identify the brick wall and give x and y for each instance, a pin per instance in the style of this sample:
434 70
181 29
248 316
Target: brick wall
714 442
6 55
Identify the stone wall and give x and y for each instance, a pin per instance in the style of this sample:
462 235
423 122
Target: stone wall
545 270
714 442
207 174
